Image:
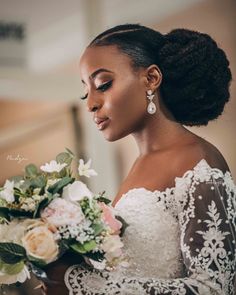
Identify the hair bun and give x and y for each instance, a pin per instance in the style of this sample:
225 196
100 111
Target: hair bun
196 76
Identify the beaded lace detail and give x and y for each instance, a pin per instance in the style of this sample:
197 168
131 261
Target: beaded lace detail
179 241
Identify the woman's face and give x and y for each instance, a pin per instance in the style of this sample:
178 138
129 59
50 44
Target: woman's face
115 93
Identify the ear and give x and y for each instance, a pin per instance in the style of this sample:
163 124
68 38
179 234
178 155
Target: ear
153 77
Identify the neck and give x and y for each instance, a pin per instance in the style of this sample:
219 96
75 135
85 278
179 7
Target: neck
160 132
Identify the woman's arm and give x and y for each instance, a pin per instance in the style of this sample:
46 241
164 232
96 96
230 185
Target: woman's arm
207 224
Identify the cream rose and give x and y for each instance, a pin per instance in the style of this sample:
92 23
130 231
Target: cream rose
39 243
112 247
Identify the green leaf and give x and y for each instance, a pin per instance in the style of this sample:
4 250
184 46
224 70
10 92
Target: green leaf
1 264
83 248
104 200
12 269
98 228
42 205
36 261
78 248
38 182
64 158
4 213
124 224
19 213
8 212
16 179
42 191
3 203
70 152
17 192
25 185
31 171
89 246
97 256
11 253
58 186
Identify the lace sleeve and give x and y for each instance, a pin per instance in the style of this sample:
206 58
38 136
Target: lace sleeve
207 224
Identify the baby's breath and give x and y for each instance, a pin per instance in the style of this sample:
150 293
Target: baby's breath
82 232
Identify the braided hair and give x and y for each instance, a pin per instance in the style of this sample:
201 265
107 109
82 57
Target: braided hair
196 74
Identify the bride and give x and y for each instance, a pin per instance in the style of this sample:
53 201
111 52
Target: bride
179 196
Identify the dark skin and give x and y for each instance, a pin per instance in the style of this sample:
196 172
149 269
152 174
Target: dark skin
166 148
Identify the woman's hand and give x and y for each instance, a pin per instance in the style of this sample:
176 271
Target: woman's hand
56 271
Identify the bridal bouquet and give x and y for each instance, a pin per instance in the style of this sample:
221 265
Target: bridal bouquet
47 212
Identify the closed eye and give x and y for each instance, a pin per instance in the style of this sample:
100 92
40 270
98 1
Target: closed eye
102 88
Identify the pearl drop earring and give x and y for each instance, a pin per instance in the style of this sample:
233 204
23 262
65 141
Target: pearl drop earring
151 109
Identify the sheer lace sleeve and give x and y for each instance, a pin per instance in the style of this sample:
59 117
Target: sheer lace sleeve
206 214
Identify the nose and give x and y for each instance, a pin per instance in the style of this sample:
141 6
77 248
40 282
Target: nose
93 108
93 104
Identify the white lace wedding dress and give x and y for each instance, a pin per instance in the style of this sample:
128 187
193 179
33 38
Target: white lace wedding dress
179 241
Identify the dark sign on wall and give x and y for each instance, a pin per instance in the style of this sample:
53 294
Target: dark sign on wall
12 30
13 49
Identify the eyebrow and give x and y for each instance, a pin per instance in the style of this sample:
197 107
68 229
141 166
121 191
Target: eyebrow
94 74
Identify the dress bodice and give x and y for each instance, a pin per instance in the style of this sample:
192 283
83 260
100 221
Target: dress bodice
178 241
151 230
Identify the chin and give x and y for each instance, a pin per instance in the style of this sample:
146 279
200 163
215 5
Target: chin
111 137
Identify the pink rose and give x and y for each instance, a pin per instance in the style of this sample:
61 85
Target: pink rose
109 218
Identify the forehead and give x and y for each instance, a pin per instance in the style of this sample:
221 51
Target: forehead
108 57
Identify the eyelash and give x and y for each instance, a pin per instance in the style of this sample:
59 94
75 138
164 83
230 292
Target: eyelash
102 88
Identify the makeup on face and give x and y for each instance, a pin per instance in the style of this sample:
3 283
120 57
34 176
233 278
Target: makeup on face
100 80
115 93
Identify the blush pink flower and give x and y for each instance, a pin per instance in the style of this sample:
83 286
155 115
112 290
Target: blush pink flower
108 217
62 212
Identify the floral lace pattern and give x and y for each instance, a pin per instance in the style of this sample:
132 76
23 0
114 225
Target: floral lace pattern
179 241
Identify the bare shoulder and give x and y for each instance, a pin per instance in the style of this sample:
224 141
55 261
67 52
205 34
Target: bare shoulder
193 153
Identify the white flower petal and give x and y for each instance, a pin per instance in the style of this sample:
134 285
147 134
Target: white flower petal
84 168
92 172
87 165
7 193
12 279
76 191
53 166
62 212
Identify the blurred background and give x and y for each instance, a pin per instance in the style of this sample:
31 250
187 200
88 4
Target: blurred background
40 109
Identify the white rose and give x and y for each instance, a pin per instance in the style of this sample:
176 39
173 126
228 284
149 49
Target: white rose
62 212
14 230
76 191
7 193
39 242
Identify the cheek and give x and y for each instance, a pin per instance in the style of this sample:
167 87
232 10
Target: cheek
127 99
127 110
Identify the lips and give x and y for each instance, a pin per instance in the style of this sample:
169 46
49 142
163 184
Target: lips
101 122
98 120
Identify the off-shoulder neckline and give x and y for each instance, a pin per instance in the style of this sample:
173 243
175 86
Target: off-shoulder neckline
201 162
